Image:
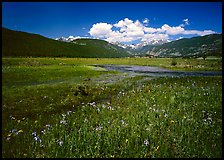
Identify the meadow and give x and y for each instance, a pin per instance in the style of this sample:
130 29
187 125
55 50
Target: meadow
66 107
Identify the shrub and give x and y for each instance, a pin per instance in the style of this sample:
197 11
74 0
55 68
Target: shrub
174 62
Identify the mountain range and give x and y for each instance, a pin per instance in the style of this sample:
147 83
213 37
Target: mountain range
20 44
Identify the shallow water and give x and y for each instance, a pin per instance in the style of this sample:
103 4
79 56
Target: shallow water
157 71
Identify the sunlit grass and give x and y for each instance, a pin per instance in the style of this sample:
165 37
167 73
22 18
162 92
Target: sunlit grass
73 116
182 64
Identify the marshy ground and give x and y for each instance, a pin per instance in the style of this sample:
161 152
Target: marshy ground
69 107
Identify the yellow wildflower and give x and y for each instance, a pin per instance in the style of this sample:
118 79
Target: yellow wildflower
18 121
35 121
9 135
126 140
172 121
157 148
20 131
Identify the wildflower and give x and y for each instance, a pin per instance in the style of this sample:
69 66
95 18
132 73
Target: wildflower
157 148
43 131
38 139
146 142
172 121
165 115
34 134
13 131
8 138
60 143
23 118
36 121
104 106
98 109
63 115
110 108
13 118
63 122
126 141
99 128
20 131
48 125
68 112
18 121
9 135
148 129
92 104
122 121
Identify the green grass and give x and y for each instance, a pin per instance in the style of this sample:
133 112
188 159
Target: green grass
75 115
182 64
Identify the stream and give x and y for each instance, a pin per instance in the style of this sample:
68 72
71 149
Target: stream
157 71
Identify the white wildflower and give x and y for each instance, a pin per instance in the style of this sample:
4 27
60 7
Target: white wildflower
146 142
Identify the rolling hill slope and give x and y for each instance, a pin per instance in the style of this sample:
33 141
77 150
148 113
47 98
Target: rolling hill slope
16 44
209 45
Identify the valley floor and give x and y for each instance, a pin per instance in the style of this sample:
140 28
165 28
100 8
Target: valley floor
67 107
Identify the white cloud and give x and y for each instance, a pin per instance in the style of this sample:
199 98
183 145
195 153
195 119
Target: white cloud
172 30
128 30
100 30
146 21
200 33
150 37
123 23
186 21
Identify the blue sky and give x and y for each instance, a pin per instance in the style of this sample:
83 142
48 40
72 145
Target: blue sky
114 21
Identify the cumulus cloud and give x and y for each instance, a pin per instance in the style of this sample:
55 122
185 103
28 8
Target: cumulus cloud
150 37
172 30
100 30
128 30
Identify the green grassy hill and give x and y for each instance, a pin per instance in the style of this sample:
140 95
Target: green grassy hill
209 45
22 44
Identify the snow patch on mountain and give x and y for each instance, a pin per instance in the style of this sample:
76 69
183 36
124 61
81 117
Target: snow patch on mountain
70 38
